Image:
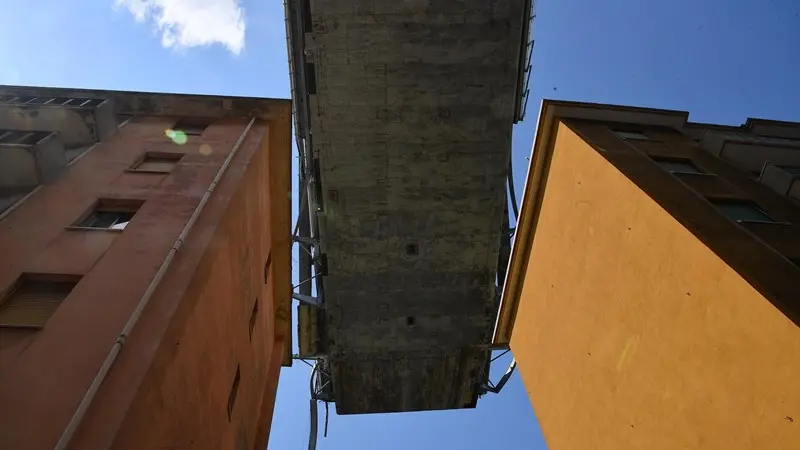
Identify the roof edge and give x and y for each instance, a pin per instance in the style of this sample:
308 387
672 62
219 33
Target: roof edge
162 103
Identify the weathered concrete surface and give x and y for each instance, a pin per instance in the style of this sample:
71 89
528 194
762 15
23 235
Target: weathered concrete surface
412 104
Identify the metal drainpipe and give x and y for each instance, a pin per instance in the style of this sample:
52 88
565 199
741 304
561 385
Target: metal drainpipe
80 412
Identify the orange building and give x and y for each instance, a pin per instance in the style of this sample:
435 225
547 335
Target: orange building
653 294
145 274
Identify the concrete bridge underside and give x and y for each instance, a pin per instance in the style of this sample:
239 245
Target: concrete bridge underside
404 117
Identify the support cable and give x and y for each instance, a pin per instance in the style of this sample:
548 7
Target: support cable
499 356
305 281
496 388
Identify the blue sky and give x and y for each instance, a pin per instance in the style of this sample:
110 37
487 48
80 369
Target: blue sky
723 60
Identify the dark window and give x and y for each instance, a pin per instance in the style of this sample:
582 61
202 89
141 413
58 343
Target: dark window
318 185
305 6
20 137
157 162
794 170
632 135
412 249
77 101
107 219
33 300
233 393
39 100
267 265
21 99
93 102
191 127
677 165
110 214
742 210
59 101
85 102
253 316
311 79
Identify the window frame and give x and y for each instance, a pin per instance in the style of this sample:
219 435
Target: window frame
632 135
699 170
170 157
716 201
67 280
234 392
131 206
192 125
794 171
251 323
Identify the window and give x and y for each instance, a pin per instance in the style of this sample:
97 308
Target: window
633 135
50 101
267 265
110 214
33 300
794 170
677 165
20 99
191 127
742 211
19 137
234 391
157 162
253 316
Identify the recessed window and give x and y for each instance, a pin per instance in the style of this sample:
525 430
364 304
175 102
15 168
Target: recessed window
794 170
157 162
742 211
253 316
677 165
191 127
412 249
20 137
267 265
111 214
234 392
33 300
633 135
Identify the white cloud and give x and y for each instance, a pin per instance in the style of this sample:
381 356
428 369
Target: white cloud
192 23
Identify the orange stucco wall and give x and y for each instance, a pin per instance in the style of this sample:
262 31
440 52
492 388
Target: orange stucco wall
170 384
631 333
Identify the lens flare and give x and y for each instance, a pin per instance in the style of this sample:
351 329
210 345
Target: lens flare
177 136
